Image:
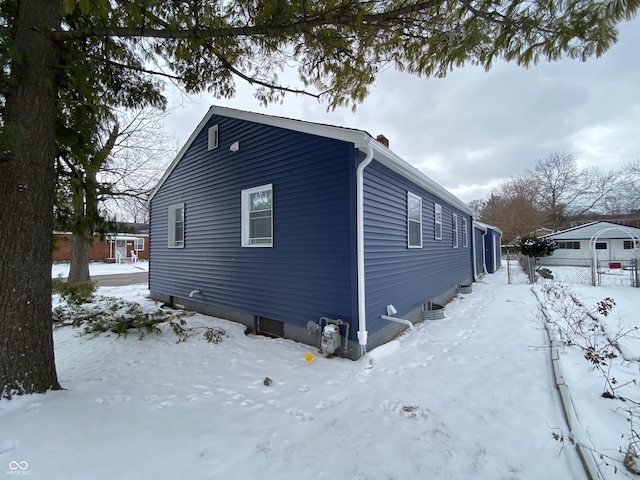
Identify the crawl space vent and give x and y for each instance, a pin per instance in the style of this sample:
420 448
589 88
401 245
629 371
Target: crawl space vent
270 327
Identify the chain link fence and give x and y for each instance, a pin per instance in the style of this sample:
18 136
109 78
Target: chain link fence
609 273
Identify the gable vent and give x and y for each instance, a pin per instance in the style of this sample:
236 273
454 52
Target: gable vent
213 137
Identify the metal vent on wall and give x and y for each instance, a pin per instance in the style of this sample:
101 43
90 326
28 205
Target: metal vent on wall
270 327
213 137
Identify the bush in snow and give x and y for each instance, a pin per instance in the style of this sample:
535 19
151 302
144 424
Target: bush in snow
537 247
75 293
576 325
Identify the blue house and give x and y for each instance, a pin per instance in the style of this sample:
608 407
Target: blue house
492 246
305 231
479 261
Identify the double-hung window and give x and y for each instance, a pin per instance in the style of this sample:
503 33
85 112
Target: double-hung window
414 221
437 210
465 242
138 244
257 216
454 223
176 226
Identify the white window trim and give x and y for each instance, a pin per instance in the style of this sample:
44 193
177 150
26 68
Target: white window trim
415 197
246 241
171 238
437 212
454 229
135 244
465 233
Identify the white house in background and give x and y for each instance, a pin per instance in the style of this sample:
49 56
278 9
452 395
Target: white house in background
614 245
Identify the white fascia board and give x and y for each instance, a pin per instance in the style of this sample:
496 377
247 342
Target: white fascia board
572 229
480 226
357 137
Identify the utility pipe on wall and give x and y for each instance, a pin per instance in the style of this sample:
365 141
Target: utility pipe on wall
398 320
362 306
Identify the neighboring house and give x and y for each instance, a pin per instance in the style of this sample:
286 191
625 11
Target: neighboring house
612 244
287 226
110 247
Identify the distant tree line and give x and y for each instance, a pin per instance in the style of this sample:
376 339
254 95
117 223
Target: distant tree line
557 192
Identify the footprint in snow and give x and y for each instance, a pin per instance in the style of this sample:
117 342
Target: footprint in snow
300 415
163 405
194 397
34 407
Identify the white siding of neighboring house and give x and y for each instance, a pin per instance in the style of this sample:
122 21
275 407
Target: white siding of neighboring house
614 240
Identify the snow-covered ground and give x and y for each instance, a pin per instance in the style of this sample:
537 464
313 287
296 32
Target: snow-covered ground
100 268
469 396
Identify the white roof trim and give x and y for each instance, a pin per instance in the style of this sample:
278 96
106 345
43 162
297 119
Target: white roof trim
575 233
486 226
359 138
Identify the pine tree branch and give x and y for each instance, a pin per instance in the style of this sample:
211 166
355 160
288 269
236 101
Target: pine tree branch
380 19
142 70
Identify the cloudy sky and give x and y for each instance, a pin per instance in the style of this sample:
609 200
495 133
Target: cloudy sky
473 129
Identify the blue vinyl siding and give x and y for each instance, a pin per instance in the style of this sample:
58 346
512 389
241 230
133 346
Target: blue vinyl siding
308 273
398 275
479 251
493 250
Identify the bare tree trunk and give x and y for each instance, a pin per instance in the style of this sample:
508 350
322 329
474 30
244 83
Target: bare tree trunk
27 362
82 233
79 268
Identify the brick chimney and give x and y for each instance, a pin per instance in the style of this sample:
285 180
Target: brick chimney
383 140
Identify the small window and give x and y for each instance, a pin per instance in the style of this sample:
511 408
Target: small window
465 242
437 221
176 226
138 245
630 245
257 217
454 228
213 138
568 245
601 245
414 221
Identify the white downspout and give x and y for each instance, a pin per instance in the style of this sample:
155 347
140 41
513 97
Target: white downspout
484 256
362 305
475 252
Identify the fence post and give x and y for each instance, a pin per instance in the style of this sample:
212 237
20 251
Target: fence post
531 267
